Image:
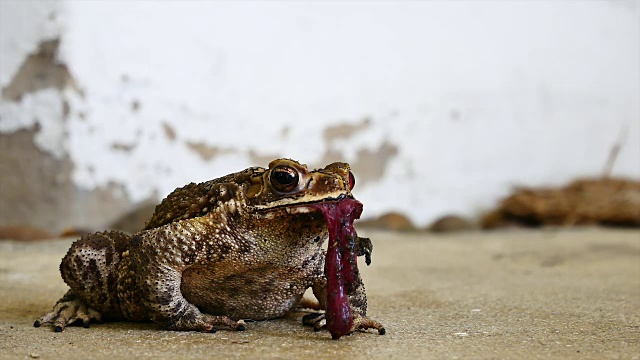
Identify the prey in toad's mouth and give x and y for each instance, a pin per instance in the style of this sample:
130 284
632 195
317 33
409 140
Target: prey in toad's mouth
242 246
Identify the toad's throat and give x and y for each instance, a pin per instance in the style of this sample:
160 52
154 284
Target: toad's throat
341 265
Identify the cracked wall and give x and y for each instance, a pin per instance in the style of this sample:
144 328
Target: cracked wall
104 109
36 187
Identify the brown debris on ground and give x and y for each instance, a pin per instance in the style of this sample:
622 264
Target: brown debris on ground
451 223
24 233
392 221
604 201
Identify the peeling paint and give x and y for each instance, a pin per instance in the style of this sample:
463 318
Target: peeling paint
37 188
345 131
368 165
330 156
123 147
35 96
169 131
371 164
39 71
23 26
135 106
284 133
42 110
154 120
205 151
262 159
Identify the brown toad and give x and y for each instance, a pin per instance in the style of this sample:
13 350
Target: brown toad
244 246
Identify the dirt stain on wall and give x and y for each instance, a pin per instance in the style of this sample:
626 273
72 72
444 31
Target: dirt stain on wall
205 151
369 164
123 147
37 189
169 131
345 130
261 159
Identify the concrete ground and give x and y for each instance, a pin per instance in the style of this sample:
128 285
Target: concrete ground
509 294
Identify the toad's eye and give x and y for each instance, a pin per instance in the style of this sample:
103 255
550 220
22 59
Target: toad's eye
284 178
352 180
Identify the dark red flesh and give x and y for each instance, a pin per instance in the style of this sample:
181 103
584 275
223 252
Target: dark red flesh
341 264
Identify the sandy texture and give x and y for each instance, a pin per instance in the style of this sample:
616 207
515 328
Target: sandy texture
507 294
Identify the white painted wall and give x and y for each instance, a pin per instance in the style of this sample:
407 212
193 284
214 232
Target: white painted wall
23 25
477 96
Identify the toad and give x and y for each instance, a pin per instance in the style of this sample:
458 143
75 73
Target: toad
245 246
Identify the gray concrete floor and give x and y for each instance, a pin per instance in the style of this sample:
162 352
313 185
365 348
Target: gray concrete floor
508 294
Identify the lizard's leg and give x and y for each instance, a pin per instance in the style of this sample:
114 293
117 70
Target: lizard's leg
365 247
357 303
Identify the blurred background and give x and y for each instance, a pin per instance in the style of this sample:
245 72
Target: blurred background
446 110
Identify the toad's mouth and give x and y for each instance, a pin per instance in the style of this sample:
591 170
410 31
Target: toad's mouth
302 207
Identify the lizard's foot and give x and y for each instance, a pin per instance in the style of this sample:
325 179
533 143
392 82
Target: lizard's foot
319 322
205 322
67 311
365 247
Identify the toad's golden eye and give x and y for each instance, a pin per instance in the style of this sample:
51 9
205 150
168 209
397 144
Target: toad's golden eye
352 180
284 178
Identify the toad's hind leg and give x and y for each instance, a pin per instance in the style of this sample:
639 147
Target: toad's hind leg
166 304
90 268
68 310
159 284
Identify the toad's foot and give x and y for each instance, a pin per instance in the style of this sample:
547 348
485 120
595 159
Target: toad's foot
306 303
364 323
205 322
67 311
319 322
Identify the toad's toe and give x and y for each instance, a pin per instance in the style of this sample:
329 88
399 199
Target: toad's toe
364 323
